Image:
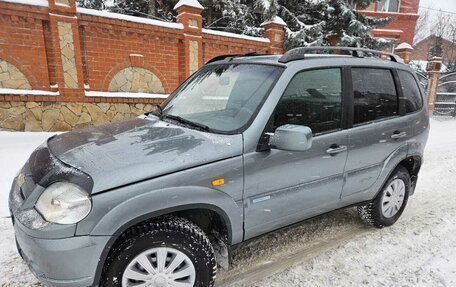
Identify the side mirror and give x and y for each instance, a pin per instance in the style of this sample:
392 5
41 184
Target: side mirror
291 138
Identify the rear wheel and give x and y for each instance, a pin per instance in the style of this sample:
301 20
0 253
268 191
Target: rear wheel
389 204
166 252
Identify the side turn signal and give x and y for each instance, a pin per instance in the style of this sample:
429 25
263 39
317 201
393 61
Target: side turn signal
218 182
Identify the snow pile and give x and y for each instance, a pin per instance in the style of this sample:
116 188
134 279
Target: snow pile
15 148
233 35
125 95
42 3
135 19
275 20
5 91
419 65
190 3
404 46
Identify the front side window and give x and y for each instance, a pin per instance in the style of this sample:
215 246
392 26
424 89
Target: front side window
223 97
313 99
388 5
412 94
374 95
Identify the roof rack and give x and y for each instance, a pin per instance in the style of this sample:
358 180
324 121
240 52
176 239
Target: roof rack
300 53
222 57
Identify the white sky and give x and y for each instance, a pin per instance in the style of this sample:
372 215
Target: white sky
448 5
444 5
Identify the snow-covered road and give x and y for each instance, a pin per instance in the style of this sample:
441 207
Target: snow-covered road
332 250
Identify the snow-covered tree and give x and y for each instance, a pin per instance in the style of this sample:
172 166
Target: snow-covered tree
323 22
229 15
159 9
92 4
309 22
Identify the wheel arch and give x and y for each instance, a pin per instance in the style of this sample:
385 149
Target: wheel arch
184 211
412 164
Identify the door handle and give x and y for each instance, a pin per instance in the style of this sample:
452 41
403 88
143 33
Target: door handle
335 149
398 135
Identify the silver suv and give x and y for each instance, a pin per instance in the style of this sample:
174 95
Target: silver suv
246 145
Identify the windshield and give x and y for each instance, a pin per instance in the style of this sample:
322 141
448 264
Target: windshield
222 97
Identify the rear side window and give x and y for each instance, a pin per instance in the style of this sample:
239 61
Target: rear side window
412 95
314 99
375 95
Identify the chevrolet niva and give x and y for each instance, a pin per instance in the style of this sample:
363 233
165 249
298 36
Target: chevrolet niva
245 146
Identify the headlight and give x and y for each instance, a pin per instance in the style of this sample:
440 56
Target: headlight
64 203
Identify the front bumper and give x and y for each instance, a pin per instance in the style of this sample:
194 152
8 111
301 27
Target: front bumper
61 262
52 252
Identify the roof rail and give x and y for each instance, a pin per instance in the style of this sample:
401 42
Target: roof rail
222 57
300 53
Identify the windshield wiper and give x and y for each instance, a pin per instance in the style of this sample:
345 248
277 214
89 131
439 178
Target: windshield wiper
188 122
158 111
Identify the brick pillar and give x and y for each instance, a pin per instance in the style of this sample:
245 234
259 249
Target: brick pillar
274 30
68 59
433 69
404 51
189 15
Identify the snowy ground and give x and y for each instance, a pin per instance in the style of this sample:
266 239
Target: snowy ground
332 250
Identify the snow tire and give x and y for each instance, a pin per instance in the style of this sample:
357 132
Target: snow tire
371 214
174 232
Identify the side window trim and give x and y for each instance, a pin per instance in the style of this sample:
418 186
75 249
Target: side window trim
400 93
348 101
340 68
420 89
351 96
263 140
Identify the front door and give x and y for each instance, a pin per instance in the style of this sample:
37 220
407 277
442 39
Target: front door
283 187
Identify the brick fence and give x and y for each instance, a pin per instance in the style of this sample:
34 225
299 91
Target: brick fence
63 67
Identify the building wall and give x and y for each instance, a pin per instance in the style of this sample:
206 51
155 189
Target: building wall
216 45
421 50
58 55
110 48
402 26
22 42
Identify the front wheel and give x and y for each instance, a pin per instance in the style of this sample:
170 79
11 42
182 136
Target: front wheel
166 252
389 204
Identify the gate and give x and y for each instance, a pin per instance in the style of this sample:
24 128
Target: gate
445 103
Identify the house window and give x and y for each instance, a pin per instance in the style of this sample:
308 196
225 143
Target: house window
388 5
371 6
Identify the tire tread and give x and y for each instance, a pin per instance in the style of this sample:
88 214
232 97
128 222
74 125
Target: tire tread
168 224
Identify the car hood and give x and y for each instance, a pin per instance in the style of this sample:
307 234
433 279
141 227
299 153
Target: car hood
120 153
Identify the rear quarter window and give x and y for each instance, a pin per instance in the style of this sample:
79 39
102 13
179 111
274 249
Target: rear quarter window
411 91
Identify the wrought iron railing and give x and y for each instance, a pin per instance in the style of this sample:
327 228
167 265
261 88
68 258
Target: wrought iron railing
445 103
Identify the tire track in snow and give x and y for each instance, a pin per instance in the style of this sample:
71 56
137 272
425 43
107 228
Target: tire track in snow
268 267
431 195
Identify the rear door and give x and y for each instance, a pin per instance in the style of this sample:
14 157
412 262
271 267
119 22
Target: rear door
378 130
